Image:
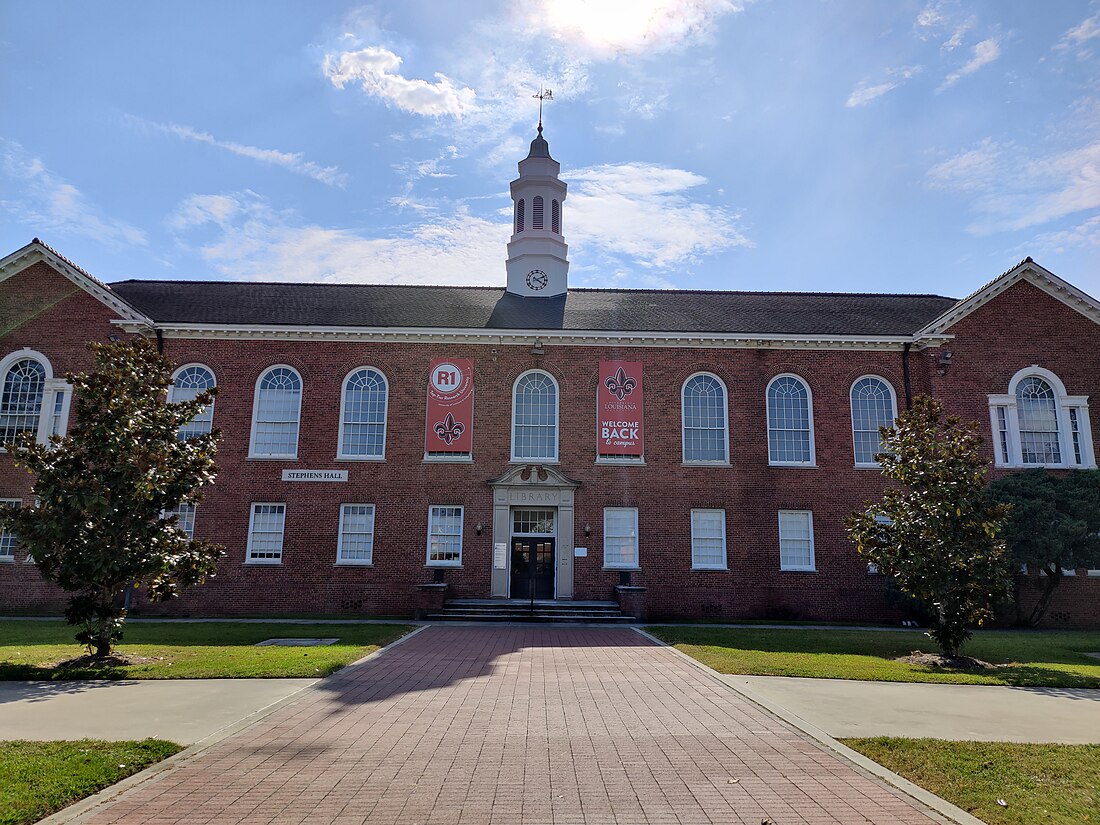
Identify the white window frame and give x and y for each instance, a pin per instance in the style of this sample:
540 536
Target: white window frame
340 560
1063 402
812 568
172 389
809 411
340 454
557 420
695 563
461 534
50 388
4 534
175 511
704 462
248 559
870 465
256 409
637 557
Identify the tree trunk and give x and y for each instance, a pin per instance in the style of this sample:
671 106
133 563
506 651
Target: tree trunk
1054 576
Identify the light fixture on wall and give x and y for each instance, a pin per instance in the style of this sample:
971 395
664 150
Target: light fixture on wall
537 348
479 528
945 357
587 529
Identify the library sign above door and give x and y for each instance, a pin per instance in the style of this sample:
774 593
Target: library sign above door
619 409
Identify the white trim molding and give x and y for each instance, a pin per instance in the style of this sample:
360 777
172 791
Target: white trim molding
1075 447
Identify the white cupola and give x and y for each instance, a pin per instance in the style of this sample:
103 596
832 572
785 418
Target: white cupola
537 262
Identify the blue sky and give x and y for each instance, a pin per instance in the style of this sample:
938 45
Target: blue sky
855 146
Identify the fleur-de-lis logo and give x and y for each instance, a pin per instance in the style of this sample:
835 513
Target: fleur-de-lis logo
620 384
448 429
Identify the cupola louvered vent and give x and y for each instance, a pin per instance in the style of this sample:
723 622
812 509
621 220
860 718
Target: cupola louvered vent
536 213
555 216
519 216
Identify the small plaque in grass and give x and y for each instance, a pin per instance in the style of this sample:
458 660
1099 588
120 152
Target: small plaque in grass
296 642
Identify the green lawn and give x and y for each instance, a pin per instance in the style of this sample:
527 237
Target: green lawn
37 778
1054 659
201 650
1038 783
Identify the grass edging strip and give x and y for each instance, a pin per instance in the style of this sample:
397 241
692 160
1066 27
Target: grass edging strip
925 797
80 810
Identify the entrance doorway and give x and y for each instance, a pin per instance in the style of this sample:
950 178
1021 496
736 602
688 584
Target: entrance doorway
533 540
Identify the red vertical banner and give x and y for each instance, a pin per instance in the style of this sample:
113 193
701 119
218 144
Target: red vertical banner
449 427
619 409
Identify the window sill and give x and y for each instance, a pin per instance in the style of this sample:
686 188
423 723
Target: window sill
621 462
7 559
618 567
272 458
353 564
456 459
525 461
705 464
868 466
1045 466
710 570
439 565
361 458
256 563
797 569
794 464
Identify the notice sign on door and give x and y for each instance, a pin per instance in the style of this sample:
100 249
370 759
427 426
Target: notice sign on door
449 427
619 409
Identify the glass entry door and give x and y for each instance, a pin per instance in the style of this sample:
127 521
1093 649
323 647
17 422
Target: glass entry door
533 540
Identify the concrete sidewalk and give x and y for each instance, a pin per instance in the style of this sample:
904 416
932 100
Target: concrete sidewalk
184 711
845 708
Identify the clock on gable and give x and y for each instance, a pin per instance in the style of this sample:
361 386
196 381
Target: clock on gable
536 279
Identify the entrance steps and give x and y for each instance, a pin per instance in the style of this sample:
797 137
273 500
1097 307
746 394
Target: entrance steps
523 610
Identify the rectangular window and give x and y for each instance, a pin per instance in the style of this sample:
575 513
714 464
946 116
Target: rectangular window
620 537
7 537
1002 432
445 536
186 513
356 542
796 540
265 534
708 539
1075 433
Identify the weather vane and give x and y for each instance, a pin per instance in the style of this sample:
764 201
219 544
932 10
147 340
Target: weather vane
544 94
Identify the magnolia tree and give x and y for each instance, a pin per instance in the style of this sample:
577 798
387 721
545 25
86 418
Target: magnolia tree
1054 526
104 492
936 531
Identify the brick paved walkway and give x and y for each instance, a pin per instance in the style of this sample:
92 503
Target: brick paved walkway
511 725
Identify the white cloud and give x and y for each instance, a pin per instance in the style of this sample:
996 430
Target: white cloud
984 52
930 17
606 30
644 211
375 68
1087 29
865 92
291 161
1083 235
1012 190
623 217
48 203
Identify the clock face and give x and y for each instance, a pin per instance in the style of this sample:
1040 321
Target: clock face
536 279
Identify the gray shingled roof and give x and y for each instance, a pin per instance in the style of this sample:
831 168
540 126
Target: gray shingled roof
613 310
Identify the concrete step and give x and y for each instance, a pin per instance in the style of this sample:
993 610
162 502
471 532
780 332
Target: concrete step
537 616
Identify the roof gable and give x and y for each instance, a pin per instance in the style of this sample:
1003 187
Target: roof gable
1029 271
37 251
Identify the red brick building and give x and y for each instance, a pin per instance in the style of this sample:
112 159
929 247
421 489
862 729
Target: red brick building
703 445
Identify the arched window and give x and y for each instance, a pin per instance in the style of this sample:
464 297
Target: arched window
873 407
519 216
276 413
21 398
705 423
363 414
535 417
536 212
555 216
790 421
187 383
1037 424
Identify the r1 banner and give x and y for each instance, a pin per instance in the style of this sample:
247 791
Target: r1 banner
450 422
619 409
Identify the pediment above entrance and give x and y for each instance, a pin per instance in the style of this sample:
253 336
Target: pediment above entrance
533 475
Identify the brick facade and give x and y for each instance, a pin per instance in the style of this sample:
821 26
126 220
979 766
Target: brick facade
1022 326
